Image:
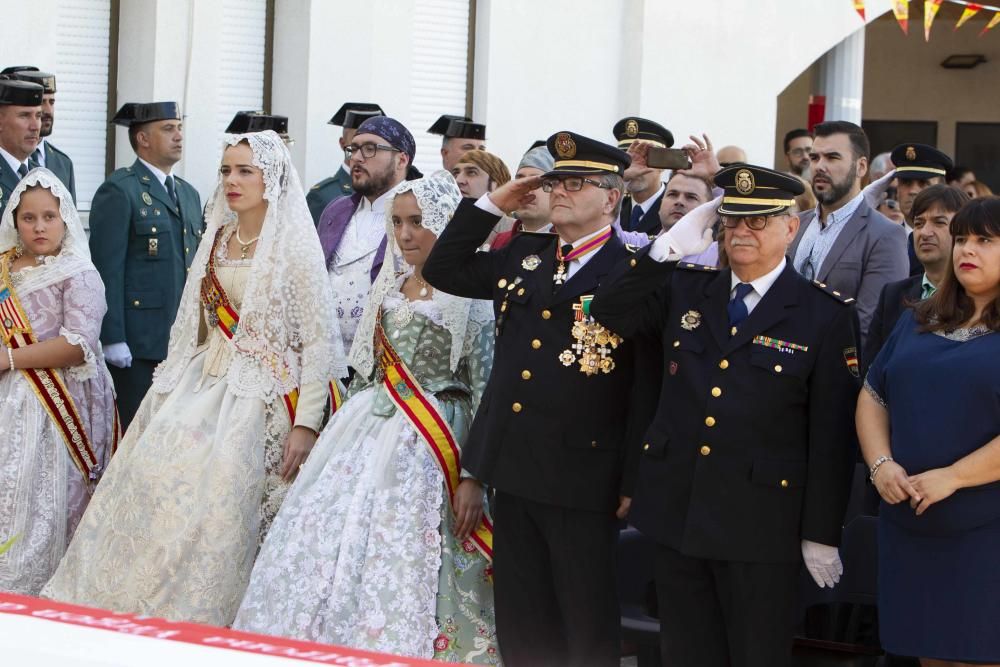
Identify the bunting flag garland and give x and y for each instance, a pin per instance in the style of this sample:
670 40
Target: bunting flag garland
970 10
992 24
931 8
901 10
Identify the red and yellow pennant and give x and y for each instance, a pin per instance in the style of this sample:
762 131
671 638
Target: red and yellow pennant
994 22
931 8
901 10
859 7
970 10
407 395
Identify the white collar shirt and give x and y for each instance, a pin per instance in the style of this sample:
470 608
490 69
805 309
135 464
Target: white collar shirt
760 285
12 161
161 176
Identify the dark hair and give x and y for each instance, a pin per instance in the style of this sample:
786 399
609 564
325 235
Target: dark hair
951 307
709 187
859 140
951 199
797 133
133 134
956 173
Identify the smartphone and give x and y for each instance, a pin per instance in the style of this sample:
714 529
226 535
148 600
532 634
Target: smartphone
668 158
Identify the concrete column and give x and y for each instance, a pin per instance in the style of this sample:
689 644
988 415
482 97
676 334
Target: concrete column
842 77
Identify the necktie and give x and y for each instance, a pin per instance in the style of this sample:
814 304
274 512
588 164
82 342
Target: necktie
170 189
634 218
22 171
737 309
36 158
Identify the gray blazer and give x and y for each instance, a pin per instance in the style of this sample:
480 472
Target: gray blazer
869 252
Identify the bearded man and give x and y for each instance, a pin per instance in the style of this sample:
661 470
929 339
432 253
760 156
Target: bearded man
352 229
845 243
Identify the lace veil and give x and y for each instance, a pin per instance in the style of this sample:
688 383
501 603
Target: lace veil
74 255
438 196
288 334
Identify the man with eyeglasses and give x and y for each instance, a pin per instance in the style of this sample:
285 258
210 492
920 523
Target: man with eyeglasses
352 229
844 242
798 144
550 435
744 473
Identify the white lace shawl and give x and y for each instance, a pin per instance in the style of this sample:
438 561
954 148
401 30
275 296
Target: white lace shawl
437 196
74 255
288 335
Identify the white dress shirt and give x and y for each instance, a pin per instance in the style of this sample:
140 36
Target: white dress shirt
12 161
161 175
760 286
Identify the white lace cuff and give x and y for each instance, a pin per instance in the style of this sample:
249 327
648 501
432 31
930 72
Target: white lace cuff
88 367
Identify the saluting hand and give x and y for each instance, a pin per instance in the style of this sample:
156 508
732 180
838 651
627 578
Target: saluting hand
515 194
931 487
624 504
873 191
298 444
893 484
468 507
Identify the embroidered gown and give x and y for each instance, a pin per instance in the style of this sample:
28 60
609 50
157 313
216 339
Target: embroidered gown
175 524
362 553
42 493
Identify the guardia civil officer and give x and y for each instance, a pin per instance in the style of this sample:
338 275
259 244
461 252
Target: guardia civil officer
745 471
145 225
20 122
460 134
349 116
245 122
47 155
550 433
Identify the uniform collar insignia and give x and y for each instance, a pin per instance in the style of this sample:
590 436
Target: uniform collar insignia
691 320
530 263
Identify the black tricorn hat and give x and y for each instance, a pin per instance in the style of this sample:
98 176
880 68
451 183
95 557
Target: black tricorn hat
351 114
920 161
753 190
31 73
135 113
257 121
20 93
632 128
576 154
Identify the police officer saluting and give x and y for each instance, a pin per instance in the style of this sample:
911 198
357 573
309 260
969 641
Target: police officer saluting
549 435
746 466
145 224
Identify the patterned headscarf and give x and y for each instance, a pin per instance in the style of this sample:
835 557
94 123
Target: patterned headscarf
393 132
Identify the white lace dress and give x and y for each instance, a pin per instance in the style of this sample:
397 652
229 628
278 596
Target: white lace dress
175 524
362 552
42 493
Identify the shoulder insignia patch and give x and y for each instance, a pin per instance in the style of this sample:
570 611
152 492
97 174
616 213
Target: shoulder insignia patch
823 287
696 267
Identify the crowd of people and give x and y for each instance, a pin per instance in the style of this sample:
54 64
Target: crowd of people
411 413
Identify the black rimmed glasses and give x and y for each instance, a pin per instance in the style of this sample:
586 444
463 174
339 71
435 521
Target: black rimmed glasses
367 150
754 222
569 183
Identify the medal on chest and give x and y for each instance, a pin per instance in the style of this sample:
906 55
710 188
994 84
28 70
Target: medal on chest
593 343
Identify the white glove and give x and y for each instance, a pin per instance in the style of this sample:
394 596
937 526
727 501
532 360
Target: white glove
873 191
118 354
691 235
823 563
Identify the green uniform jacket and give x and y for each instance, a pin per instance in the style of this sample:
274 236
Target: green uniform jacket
326 191
59 164
8 181
142 245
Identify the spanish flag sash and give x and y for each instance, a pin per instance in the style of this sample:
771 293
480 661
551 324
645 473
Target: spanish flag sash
48 383
220 313
407 395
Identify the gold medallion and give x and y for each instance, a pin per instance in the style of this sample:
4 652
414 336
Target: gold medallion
632 127
567 358
744 181
565 146
911 153
530 263
691 320
146 199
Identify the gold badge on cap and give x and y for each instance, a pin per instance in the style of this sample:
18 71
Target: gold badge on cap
530 263
565 146
632 128
146 199
691 320
911 153
744 181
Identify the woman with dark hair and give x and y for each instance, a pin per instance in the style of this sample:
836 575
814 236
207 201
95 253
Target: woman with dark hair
929 425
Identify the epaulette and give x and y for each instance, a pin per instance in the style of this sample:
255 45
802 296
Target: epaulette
50 147
832 292
696 267
120 174
631 248
322 184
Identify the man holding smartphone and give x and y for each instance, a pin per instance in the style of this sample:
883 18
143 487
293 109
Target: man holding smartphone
641 207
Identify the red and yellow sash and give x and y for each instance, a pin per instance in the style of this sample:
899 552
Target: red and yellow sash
48 383
222 314
407 394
